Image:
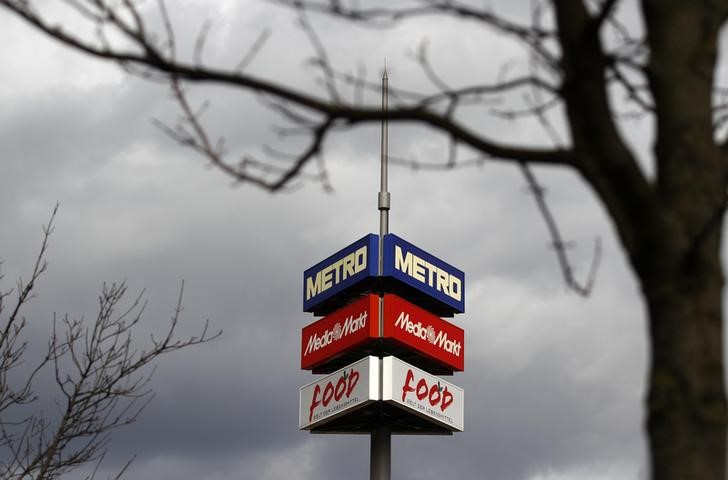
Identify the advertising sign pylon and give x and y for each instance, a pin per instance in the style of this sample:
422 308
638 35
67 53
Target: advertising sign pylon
381 340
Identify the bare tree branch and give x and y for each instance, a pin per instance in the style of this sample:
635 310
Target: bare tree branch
253 51
388 16
162 59
103 381
606 9
559 245
578 53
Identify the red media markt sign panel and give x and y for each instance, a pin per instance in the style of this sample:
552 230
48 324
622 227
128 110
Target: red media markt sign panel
339 332
424 332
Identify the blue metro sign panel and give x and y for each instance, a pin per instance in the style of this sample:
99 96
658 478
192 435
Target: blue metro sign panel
342 270
425 273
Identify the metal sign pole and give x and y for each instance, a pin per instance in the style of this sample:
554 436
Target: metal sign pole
381 453
380 459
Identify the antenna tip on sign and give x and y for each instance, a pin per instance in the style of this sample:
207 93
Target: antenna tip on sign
385 68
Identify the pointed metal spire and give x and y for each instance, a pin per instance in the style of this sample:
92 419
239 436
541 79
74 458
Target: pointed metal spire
384 197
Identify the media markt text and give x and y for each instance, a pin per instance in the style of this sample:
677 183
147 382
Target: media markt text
351 324
428 333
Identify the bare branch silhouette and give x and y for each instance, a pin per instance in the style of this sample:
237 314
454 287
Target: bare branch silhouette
102 379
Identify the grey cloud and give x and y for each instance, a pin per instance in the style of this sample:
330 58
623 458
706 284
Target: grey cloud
553 382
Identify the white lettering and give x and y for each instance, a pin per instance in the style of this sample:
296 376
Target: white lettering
352 324
418 330
450 346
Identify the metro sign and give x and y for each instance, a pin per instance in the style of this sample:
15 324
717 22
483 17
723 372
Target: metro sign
425 395
340 271
342 392
424 332
424 273
339 332
436 284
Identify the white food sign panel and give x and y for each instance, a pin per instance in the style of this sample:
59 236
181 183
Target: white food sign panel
423 394
341 392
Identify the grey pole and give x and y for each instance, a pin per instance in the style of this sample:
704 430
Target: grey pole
380 454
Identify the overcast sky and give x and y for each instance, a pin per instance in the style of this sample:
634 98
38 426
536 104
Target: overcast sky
554 383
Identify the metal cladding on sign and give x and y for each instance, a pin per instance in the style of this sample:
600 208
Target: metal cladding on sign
423 394
424 332
339 332
337 394
342 270
425 273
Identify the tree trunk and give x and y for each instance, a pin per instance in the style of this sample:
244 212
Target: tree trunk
687 419
686 402
678 261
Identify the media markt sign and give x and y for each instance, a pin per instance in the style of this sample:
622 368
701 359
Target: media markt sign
345 390
426 395
340 331
424 332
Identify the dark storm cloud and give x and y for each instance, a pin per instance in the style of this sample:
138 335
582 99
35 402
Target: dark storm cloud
553 383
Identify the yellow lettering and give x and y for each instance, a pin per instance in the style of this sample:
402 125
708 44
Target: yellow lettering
442 281
455 288
418 272
326 278
348 266
337 267
360 259
313 287
431 270
402 263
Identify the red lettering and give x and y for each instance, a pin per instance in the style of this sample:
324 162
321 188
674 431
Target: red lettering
407 388
435 395
353 380
446 400
314 401
421 389
344 386
328 394
340 388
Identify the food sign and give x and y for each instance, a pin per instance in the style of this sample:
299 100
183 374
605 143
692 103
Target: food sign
423 394
344 391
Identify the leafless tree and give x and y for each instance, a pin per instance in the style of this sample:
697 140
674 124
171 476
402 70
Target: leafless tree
582 60
101 375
